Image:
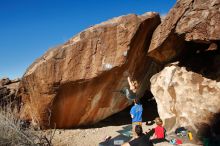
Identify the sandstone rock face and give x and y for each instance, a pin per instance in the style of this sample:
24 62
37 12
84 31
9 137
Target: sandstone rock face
188 34
201 22
73 84
185 98
190 20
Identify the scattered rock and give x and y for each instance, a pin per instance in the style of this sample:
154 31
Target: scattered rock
8 89
4 81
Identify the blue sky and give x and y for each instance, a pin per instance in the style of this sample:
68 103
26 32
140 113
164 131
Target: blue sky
28 28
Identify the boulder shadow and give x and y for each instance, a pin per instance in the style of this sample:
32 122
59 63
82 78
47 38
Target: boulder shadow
209 134
124 136
202 58
123 118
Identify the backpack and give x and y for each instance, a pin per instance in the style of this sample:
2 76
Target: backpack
180 129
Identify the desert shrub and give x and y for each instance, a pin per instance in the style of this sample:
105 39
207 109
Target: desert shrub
14 131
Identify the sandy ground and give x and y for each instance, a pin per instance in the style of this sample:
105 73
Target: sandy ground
111 126
96 136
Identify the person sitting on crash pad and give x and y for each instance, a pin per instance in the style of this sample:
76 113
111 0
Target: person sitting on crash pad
158 132
141 139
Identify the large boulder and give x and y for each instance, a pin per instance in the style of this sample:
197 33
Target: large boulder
201 22
185 98
74 84
188 96
188 24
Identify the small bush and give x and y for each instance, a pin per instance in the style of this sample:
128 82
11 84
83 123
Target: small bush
19 133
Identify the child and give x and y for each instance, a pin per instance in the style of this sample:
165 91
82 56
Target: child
158 131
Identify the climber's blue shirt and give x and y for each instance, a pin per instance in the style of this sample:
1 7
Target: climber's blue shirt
136 111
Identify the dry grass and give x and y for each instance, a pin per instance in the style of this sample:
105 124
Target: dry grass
16 132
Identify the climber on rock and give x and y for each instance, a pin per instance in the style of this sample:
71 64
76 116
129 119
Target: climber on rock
131 91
